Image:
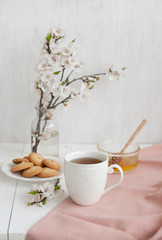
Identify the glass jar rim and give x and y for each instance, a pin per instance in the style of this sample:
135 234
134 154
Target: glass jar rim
118 153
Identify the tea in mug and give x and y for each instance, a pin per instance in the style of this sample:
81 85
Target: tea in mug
86 160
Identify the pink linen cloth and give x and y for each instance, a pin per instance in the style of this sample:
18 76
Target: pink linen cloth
129 212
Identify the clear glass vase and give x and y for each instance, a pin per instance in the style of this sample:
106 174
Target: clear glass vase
45 134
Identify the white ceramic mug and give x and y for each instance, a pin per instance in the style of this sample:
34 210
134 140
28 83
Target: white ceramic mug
86 182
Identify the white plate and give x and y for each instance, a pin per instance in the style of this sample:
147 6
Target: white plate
6 168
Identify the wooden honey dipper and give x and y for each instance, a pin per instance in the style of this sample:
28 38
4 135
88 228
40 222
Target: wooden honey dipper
116 160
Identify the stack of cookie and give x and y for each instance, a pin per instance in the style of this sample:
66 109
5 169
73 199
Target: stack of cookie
36 165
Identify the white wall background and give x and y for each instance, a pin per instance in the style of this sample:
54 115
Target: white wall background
123 32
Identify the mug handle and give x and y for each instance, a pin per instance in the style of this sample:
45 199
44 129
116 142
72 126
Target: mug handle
111 170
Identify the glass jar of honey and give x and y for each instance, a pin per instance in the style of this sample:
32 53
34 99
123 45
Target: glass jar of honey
128 160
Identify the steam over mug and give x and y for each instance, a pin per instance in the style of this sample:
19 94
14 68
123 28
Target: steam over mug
86 182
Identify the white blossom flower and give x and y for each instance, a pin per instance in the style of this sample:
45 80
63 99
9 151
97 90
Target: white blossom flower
84 92
54 47
66 107
43 65
49 114
48 191
47 76
69 51
41 204
53 60
113 74
34 187
44 136
69 57
41 85
44 87
65 51
48 187
40 188
64 91
64 62
76 64
37 197
74 92
58 31
42 193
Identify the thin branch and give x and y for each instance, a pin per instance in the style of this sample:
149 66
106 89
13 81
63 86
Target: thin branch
50 107
44 125
85 76
32 203
54 106
48 48
52 97
62 75
40 103
57 182
68 77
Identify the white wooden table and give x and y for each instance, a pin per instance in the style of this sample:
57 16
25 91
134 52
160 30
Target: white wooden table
16 218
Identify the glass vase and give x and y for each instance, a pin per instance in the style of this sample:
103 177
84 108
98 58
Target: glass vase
45 134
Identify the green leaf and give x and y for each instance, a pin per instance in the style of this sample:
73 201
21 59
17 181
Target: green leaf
37 83
93 81
56 73
91 87
67 81
29 204
71 55
57 187
63 83
123 68
57 53
48 38
60 37
33 192
44 201
73 40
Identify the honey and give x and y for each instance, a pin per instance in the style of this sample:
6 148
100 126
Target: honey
127 168
127 161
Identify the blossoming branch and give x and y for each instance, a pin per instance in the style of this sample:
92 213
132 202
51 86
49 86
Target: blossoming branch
57 81
42 193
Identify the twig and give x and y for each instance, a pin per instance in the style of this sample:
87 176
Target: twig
63 70
48 48
85 76
57 182
50 107
40 103
44 125
52 97
32 203
68 77
54 106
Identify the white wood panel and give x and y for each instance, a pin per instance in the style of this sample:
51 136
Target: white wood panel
7 187
123 32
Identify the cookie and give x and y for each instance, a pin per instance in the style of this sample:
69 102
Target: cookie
47 172
21 166
19 160
30 172
51 164
36 159
27 157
